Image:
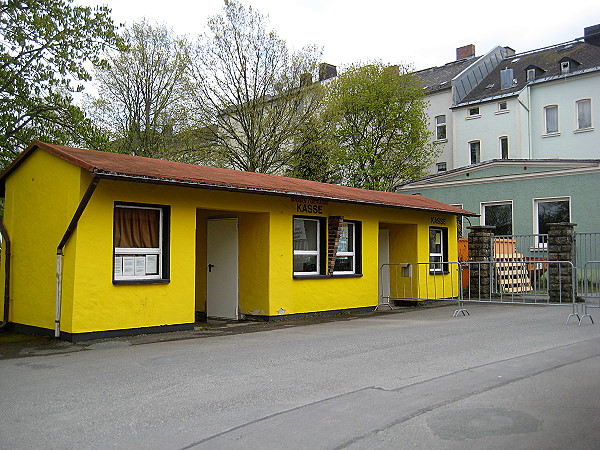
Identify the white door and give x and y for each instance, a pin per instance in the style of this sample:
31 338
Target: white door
384 271
222 268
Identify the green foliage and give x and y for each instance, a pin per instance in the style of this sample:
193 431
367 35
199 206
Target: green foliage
311 159
247 88
380 127
44 47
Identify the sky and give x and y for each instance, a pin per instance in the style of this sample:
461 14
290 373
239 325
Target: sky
420 34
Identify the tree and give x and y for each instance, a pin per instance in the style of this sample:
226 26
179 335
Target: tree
43 51
312 156
380 127
142 93
247 88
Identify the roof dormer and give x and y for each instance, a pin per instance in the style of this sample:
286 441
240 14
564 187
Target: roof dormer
567 65
533 72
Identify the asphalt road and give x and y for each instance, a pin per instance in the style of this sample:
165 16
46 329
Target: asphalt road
504 377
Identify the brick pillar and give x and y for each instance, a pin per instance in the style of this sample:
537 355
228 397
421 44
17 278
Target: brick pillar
334 228
560 248
480 249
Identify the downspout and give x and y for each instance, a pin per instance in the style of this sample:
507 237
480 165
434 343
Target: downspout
59 250
6 240
527 108
529 122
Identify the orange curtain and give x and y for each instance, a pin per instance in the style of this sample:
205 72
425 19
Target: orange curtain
136 228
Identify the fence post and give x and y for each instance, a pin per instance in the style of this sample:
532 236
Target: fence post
480 249
560 248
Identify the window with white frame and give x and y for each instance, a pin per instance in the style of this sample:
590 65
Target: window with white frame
550 210
530 74
499 215
140 243
438 250
473 112
310 247
441 166
503 147
346 254
440 127
551 119
502 106
307 246
584 114
475 152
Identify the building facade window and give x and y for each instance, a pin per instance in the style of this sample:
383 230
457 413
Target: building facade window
504 147
584 114
551 119
438 250
499 215
475 152
502 107
347 257
308 246
440 128
441 166
565 67
140 243
530 74
473 112
549 210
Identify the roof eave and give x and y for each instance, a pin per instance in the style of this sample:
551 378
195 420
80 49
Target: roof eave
230 188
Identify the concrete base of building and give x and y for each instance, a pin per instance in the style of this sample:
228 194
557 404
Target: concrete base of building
78 337
283 317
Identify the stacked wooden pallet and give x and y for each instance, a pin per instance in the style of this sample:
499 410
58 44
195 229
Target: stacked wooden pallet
511 267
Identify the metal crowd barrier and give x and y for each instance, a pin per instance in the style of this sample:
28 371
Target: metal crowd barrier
502 281
419 282
589 278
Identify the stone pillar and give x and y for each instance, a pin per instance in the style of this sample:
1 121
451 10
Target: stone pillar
560 248
480 249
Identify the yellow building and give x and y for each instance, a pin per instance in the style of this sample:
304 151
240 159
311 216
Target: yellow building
102 244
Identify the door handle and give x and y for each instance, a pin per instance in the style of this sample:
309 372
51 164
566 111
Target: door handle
210 266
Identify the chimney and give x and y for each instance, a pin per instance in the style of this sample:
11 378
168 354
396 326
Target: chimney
591 35
327 71
467 51
305 79
506 78
509 52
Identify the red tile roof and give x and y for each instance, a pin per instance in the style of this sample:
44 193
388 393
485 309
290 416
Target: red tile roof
137 168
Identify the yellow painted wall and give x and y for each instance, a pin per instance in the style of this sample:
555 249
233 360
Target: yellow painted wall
254 263
100 305
410 244
41 198
289 295
266 284
439 286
